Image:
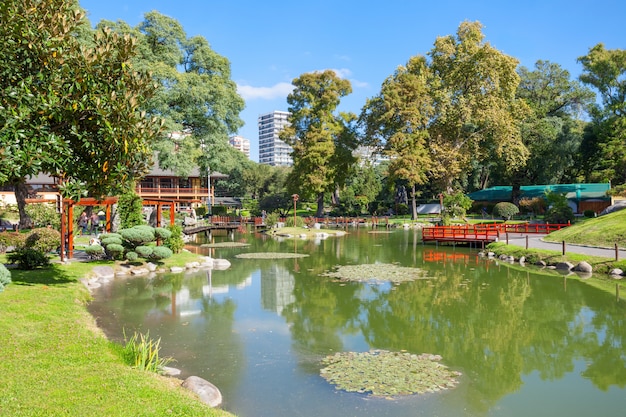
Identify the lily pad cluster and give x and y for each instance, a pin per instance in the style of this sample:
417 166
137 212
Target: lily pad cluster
383 373
270 255
224 245
377 273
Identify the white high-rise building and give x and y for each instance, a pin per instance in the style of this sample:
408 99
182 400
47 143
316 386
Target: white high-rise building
272 150
240 143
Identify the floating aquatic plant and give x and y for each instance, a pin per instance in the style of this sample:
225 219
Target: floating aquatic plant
270 255
377 273
224 245
383 373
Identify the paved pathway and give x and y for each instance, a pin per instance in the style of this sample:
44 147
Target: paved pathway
537 242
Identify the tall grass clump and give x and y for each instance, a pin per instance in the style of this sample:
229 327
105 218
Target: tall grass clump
142 352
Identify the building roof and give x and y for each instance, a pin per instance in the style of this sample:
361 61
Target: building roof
594 191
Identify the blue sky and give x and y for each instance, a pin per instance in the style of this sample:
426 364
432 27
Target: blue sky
269 43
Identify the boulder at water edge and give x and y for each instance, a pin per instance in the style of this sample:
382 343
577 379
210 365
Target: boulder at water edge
208 393
583 267
567 266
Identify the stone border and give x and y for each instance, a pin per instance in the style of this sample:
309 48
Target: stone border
583 268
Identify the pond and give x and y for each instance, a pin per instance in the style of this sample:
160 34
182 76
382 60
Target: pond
526 344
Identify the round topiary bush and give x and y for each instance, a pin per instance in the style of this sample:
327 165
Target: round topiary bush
505 210
138 235
43 239
144 251
5 277
162 233
111 240
114 251
161 252
589 213
94 251
131 256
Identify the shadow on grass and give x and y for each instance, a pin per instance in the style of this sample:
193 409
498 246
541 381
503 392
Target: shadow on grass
52 275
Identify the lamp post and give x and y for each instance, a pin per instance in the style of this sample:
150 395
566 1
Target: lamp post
208 181
295 199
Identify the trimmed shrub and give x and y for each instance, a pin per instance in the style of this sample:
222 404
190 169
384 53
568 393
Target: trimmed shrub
131 256
114 251
144 251
589 213
162 233
43 240
175 242
94 251
505 210
138 235
28 258
111 240
11 239
160 252
5 277
108 235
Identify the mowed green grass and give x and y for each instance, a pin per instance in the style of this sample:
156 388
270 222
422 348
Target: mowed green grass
55 362
603 231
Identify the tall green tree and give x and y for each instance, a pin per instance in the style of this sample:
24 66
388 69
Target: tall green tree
66 109
322 141
198 99
398 119
553 127
477 113
604 145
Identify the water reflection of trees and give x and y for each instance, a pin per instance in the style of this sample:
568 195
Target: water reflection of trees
493 323
195 329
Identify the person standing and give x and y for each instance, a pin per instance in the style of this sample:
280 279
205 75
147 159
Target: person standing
82 223
95 223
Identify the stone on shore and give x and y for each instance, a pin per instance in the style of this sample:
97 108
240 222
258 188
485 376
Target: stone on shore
583 267
208 393
564 266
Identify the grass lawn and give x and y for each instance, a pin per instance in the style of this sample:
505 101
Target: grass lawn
56 362
602 231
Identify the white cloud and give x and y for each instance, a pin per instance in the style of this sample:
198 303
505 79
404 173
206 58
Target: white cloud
280 90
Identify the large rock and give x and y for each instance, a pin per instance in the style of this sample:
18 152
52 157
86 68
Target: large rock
221 264
208 393
103 271
616 273
564 266
583 267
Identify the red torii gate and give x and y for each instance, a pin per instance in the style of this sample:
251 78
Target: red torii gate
67 218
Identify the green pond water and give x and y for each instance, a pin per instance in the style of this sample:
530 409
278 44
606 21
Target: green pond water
526 343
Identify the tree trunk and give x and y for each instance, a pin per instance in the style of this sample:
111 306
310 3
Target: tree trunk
21 193
484 178
413 203
320 205
516 192
335 197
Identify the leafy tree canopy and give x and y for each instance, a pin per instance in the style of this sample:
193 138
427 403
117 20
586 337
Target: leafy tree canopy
70 109
197 98
322 141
